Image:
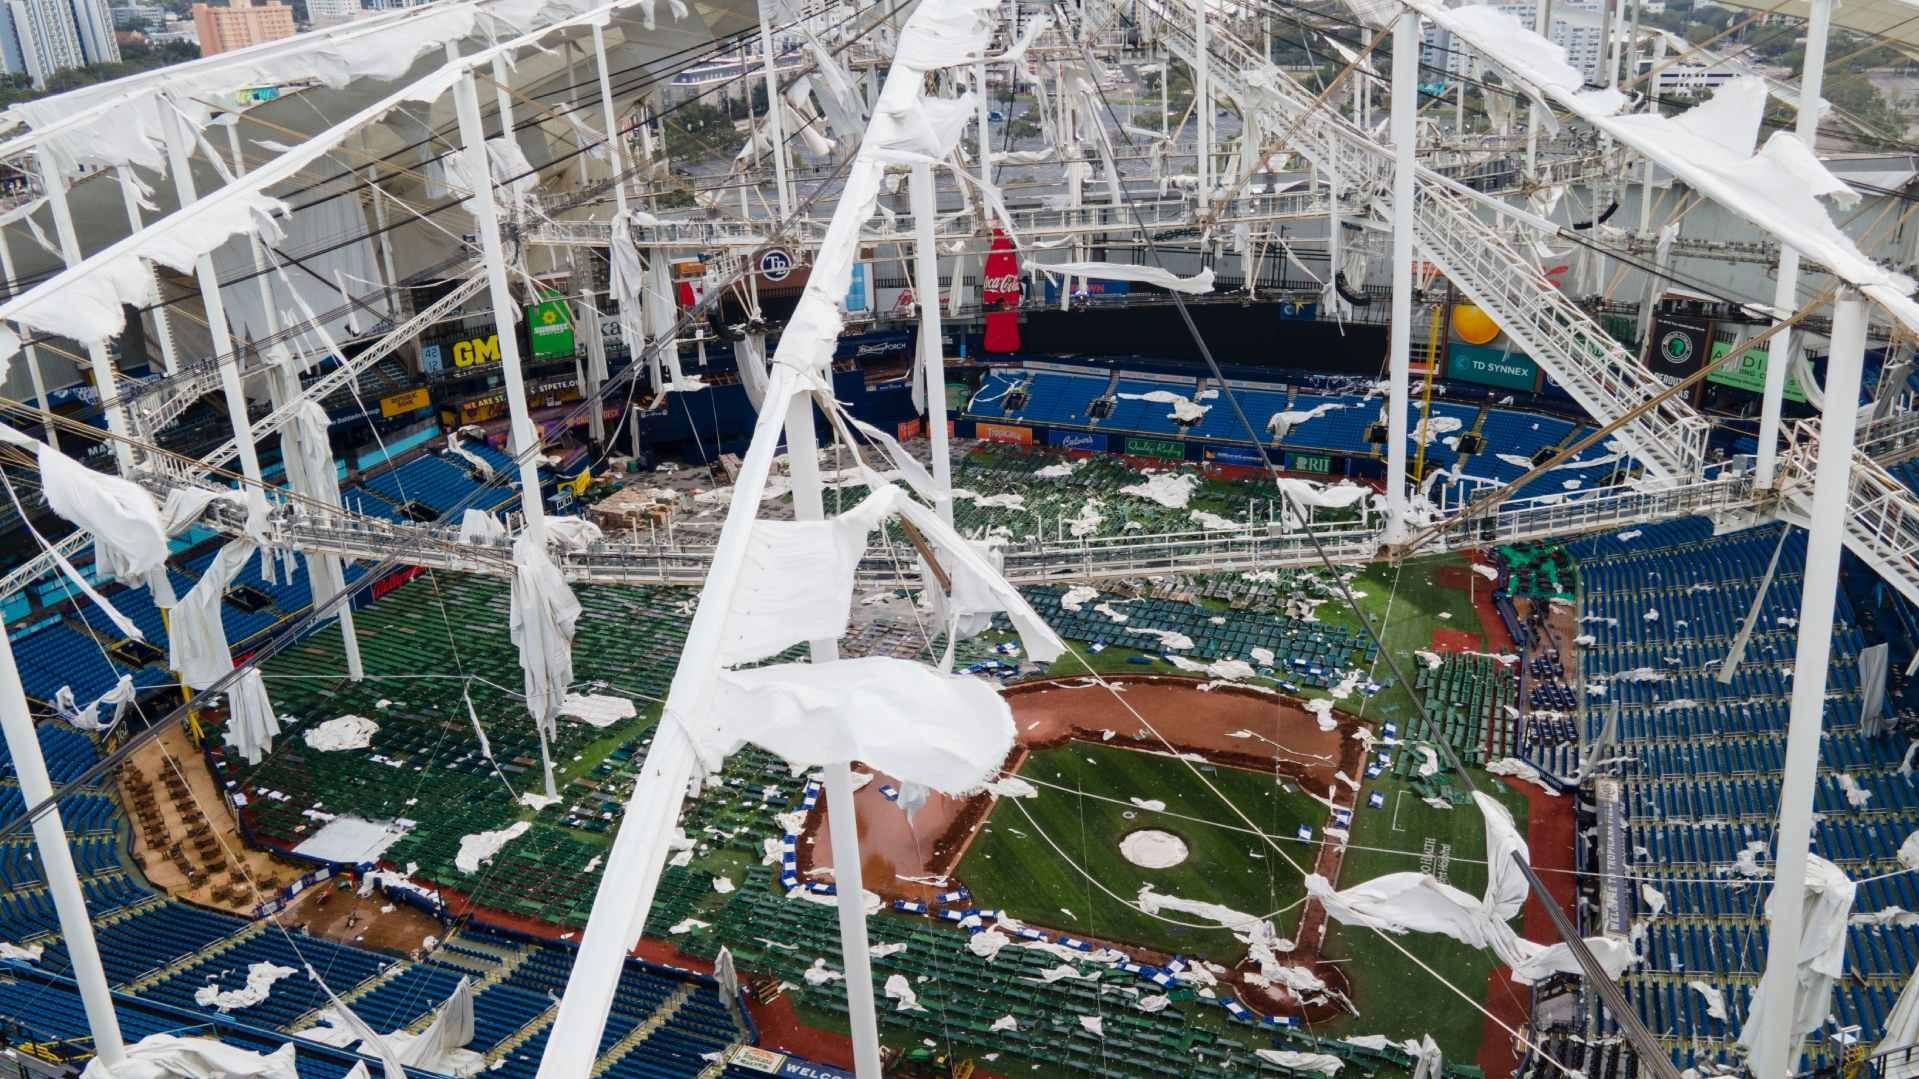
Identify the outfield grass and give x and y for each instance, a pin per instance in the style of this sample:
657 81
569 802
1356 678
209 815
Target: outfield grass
1012 866
1394 996
1404 605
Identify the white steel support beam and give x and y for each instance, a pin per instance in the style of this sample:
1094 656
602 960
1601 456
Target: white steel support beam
103 374
633 866
283 385
56 863
615 143
1405 106
1203 106
33 354
377 197
932 348
505 313
802 455
129 195
1786 292
775 114
220 339
1775 1048
616 163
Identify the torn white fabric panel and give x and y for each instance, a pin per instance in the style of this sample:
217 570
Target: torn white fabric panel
1777 189
1307 1063
436 1049
128 537
309 433
456 446
1804 1001
340 1015
750 354
1419 902
164 1056
197 635
627 281
1198 284
1902 1030
479 526
1714 998
259 985
796 583
573 533
950 733
978 586
251 722
542 617
88 719
1312 495
90 307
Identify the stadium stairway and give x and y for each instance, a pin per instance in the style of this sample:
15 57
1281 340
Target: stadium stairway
640 1033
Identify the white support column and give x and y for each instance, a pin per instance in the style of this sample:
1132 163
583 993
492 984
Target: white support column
283 385
1405 104
1535 116
504 97
33 351
129 186
1165 95
1825 533
985 130
615 142
505 314
774 114
842 821
56 863
102 364
377 198
616 161
932 358
219 337
1203 106
1785 297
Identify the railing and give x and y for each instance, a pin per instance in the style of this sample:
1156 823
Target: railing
1247 547
1882 516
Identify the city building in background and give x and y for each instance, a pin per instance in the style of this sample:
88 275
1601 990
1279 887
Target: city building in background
223 29
40 37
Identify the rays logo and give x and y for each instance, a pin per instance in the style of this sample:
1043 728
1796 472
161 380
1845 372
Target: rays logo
1675 347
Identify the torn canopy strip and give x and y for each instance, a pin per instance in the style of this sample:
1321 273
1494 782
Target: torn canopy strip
1197 285
1806 1000
542 618
1777 189
1418 902
947 732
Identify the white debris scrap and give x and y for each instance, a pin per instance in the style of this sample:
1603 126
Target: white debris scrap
342 732
260 979
479 848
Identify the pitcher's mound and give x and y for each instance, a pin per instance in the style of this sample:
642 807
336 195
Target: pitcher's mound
1150 848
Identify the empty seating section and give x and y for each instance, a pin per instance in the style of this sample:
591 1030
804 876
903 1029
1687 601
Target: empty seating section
1309 653
1699 762
1467 697
1131 412
1220 422
439 483
292 997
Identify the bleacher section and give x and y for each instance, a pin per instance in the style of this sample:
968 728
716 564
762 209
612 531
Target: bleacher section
1701 773
1505 442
